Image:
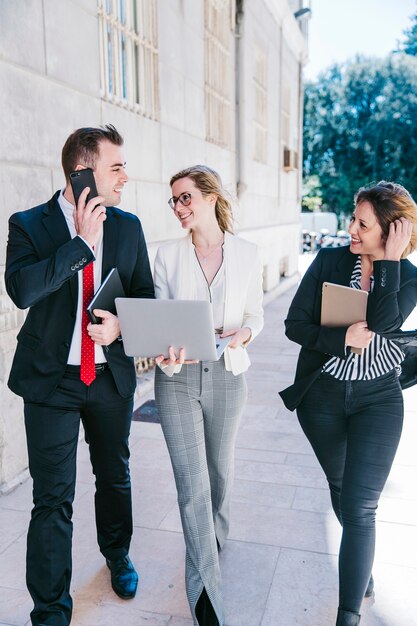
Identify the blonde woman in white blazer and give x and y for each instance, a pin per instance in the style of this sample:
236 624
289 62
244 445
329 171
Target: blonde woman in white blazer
200 404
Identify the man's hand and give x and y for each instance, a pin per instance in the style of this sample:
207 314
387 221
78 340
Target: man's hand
358 335
89 218
105 333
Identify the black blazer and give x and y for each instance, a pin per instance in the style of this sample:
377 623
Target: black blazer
393 298
41 273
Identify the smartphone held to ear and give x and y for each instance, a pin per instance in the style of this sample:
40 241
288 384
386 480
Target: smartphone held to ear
80 180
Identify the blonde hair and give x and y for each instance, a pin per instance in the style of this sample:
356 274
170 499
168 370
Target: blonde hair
208 181
390 201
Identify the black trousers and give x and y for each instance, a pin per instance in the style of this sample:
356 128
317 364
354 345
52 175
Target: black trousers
52 430
354 428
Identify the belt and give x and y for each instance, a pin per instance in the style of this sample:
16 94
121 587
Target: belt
75 369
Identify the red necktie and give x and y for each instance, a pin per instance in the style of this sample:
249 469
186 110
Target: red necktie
88 367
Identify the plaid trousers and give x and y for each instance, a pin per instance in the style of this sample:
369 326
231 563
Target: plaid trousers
200 410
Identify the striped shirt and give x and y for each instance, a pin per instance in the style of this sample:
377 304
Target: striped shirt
379 358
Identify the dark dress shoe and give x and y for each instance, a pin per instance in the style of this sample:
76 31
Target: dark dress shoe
347 618
124 579
370 588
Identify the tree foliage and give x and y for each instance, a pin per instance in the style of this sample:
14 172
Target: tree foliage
360 126
409 45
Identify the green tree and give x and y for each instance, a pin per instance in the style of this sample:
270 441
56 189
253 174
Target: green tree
409 45
360 126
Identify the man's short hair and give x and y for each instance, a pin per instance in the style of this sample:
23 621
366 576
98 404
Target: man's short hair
83 146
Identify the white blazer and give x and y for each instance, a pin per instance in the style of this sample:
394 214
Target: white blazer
175 280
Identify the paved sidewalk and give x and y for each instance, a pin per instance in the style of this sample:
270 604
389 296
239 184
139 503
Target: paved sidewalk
279 566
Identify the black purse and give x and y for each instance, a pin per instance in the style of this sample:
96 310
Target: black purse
407 341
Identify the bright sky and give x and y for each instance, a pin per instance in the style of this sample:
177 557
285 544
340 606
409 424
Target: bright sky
338 29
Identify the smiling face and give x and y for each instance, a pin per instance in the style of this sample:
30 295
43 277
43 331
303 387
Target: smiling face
366 233
110 173
201 209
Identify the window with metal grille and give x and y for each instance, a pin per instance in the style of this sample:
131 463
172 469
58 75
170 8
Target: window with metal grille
219 83
129 54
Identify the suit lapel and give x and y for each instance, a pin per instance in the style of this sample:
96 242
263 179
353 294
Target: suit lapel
342 272
55 222
56 225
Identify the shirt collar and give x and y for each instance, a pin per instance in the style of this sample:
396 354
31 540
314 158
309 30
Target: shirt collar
66 207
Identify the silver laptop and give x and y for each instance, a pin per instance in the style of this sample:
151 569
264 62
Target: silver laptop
149 327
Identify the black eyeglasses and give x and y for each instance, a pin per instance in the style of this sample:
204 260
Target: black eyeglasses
184 199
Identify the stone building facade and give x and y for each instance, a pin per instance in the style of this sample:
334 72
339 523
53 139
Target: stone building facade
185 82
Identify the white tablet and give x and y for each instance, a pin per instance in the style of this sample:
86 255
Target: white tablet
149 327
342 306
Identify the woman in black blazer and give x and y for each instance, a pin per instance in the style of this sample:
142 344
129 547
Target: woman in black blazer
350 406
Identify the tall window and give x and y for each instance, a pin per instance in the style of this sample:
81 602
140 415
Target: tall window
129 54
260 91
218 71
290 110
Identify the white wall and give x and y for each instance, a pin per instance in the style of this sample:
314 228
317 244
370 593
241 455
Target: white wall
50 85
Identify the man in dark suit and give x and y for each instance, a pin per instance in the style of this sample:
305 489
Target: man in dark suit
67 369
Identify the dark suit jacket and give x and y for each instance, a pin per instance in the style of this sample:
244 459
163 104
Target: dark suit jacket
41 273
393 298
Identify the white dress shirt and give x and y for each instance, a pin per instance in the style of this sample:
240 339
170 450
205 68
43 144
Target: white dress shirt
74 356
214 292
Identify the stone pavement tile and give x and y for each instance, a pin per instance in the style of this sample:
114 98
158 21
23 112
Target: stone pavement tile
172 521
303 530
15 606
267 494
265 399
271 388
262 362
108 614
150 508
254 410
149 430
303 460
312 499
20 499
150 452
13 564
396 544
16 523
402 481
397 510
395 597
247 570
407 449
273 441
159 559
180 621
277 424
154 479
266 456
261 376
280 474
303 591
